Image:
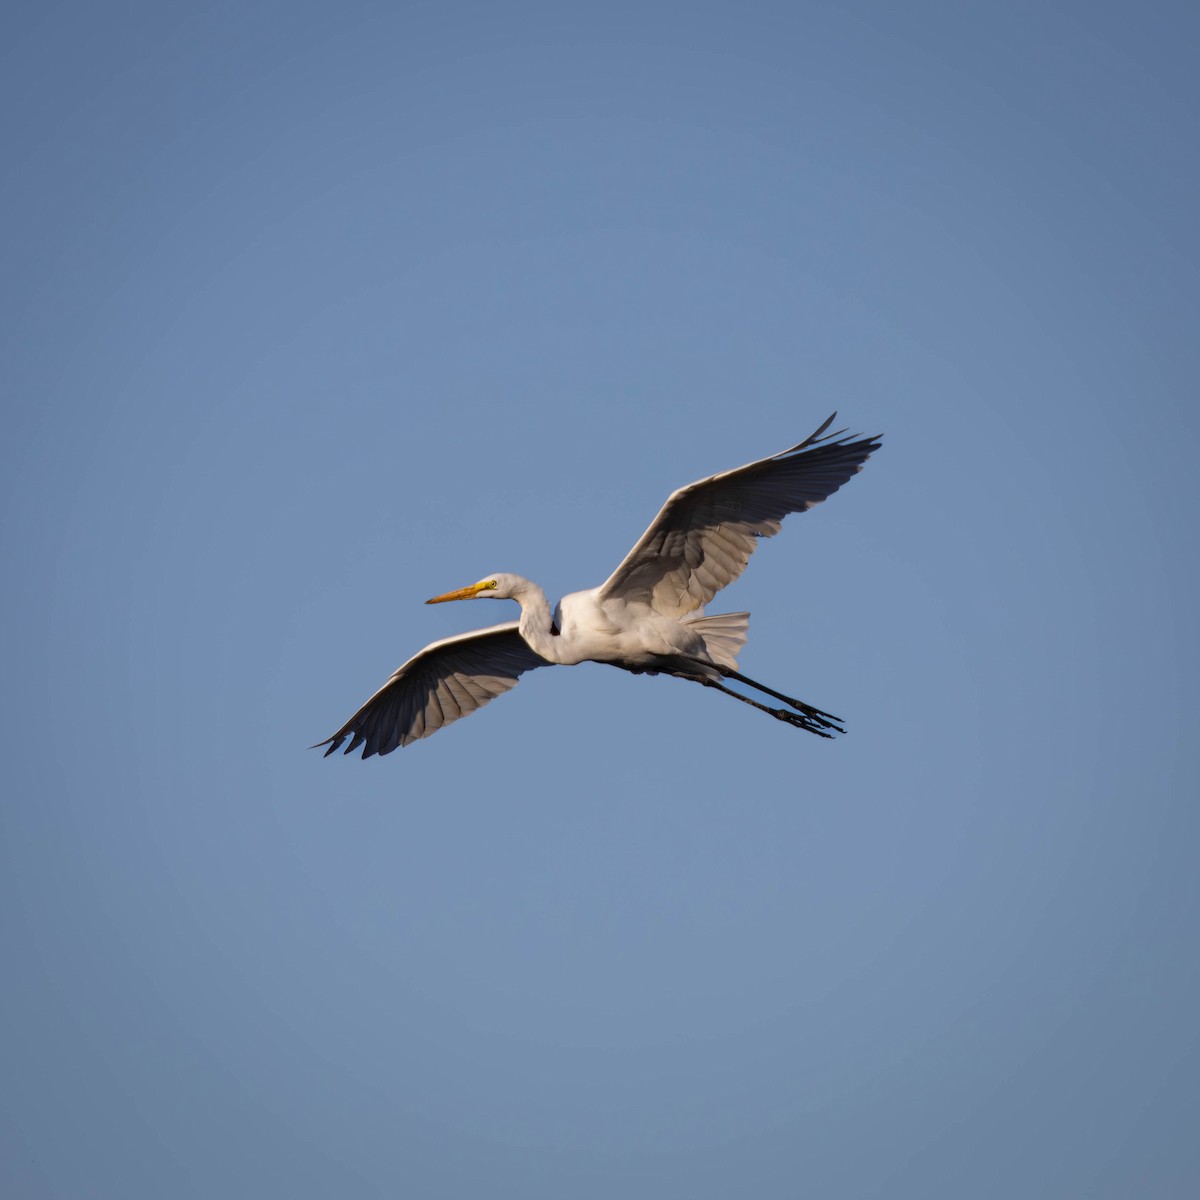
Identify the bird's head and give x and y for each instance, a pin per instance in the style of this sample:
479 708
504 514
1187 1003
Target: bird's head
490 587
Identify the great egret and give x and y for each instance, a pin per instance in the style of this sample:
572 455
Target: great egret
647 617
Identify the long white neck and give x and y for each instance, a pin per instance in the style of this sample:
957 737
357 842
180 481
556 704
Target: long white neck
537 621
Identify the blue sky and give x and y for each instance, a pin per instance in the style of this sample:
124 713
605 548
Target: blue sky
311 312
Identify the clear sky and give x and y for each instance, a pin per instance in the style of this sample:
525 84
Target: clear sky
312 311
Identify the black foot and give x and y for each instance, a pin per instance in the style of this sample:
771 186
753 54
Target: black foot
802 721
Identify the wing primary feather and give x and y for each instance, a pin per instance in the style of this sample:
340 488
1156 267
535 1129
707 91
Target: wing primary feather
449 679
702 538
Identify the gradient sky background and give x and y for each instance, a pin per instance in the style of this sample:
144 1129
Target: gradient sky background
313 311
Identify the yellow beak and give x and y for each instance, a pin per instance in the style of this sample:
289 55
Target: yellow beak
462 594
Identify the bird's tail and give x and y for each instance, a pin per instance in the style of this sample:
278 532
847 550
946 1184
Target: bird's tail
724 635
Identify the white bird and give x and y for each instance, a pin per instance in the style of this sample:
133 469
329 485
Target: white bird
647 617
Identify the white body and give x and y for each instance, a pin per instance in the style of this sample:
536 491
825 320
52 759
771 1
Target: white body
584 627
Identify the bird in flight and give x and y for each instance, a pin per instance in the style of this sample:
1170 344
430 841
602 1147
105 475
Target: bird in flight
647 617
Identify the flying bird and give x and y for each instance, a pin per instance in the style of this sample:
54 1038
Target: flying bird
647 617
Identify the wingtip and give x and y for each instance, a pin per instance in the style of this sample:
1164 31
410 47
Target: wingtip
875 439
816 437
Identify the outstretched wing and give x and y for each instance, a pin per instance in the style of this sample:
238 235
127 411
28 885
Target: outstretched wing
704 535
447 680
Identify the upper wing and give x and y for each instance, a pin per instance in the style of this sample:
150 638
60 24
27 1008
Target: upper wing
447 680
705 533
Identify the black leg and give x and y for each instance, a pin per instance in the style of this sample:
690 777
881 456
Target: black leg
814 715
800 719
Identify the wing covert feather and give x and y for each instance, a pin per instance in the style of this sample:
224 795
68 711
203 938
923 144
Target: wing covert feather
449 679
704 535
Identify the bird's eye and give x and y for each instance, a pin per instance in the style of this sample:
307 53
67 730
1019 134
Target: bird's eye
491 583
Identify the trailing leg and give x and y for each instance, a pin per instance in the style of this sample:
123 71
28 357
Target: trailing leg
815 715
799 719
